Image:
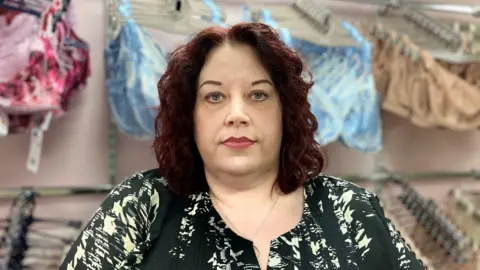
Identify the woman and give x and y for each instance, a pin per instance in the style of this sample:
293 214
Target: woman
238 184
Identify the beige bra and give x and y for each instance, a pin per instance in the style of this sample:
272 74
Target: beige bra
428 92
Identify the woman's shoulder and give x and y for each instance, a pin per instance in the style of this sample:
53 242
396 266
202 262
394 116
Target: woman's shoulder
146 192
129 218
334 194
143 185
355 209
337 189
147 179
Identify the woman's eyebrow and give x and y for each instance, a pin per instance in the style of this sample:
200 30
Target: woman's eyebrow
262 81
210 82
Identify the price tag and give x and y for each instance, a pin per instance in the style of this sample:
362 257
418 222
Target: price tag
3 124
46 121
35 150
36 143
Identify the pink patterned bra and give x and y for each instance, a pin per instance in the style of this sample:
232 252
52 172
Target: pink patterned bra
48 68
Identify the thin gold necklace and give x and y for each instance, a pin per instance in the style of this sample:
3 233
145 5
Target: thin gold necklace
252 239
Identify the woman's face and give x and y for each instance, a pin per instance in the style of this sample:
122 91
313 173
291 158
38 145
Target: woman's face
237 115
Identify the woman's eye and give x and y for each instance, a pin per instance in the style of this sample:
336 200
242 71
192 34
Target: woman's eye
258 96
214 97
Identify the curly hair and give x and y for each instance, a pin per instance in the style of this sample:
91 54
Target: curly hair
178 158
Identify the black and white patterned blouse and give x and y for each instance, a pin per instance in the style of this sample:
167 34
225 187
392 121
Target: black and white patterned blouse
142 225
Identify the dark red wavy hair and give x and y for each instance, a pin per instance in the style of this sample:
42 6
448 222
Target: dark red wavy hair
178 158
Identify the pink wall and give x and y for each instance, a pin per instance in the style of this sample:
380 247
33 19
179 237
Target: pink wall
75 147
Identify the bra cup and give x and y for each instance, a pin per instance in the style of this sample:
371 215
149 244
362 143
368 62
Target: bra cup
53 70
135 56
118 82
344 99
152 65
363 124
15 42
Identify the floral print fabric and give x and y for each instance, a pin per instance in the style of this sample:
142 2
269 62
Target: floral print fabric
142 225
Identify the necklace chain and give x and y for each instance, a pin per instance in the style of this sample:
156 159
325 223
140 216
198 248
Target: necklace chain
254 235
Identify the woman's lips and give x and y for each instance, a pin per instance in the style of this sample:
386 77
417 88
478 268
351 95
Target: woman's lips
238 145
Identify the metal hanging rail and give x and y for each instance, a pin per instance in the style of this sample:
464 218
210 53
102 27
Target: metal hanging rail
11 193
473 10
376 178
447 8
409 177
113 133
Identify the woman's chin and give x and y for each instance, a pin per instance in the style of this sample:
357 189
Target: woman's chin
239 165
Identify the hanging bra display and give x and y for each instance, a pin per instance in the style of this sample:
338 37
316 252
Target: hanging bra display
344 99
51 67
441 239
31 242
418 88
135 63
464 209
410 81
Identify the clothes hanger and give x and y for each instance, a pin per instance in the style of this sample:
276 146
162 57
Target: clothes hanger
444 245
37 7
165 8
33 7
407 48
470 33
182 20
463 209
13 242
308 21
398 192
279 12
439 39
402 41
443 242
21 240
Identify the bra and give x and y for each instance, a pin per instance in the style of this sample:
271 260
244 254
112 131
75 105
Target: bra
344 79
362 127
17 32
343 99
135 63
330 122
57 66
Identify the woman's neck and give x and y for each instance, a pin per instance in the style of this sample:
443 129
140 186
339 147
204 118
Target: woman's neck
244 191
259 211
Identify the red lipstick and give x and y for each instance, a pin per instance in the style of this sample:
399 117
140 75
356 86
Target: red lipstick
238 143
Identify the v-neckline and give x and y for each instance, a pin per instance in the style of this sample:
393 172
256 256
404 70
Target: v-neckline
223 230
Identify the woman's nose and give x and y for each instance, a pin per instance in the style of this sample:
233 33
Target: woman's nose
237 115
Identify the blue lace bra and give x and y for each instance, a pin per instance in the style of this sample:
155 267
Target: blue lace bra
135 63
344 98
